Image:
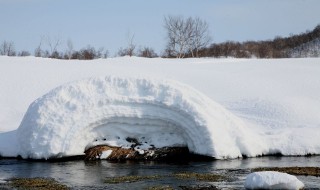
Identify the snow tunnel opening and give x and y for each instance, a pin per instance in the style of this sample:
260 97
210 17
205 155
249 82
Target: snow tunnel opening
139 133
125 138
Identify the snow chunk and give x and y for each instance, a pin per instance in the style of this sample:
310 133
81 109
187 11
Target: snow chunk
272 180
105 154
108 110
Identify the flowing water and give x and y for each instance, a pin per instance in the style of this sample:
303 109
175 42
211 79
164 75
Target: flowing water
90 175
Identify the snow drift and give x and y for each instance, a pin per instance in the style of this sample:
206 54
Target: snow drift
108 110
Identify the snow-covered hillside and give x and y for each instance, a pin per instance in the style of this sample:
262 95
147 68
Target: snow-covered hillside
263 106
310 49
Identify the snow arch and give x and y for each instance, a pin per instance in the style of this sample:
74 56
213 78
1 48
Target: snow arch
107 110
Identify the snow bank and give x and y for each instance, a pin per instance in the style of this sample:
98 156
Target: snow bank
108 110
272 180
278 99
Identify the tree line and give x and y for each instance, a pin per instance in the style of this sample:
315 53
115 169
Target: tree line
49 48
279 47
186 37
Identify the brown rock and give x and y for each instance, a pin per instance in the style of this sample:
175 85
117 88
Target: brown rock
119 153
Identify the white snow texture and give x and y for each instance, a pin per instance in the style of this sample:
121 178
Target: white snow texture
272 180
246 106
107 110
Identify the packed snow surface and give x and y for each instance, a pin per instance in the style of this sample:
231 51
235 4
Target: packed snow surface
223 108
272 180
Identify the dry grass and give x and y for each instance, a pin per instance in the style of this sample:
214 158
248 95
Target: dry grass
130 179
200 176
199 187
163 187
182 176
37 184
307 171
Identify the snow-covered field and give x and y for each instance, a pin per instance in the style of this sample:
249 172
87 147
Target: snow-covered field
217 107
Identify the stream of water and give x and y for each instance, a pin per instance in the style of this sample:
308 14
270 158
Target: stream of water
90 175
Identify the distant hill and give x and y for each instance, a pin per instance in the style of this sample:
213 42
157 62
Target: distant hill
306 44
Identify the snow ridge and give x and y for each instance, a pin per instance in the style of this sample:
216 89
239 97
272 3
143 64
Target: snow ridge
107 110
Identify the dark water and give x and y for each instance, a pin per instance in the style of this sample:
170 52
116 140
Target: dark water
90 175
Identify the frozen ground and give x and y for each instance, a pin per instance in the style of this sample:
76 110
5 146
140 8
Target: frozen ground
274 104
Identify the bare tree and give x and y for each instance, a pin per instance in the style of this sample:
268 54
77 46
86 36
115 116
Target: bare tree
186 36
70 50
200 37
7 48
122 52
99 53
147 52
177 43
53 44
38 51
24 53
88 53
106 54
131 46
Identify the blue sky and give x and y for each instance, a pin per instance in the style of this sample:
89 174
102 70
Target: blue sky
106 23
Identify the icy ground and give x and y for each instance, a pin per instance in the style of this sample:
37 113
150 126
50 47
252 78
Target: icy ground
218 107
